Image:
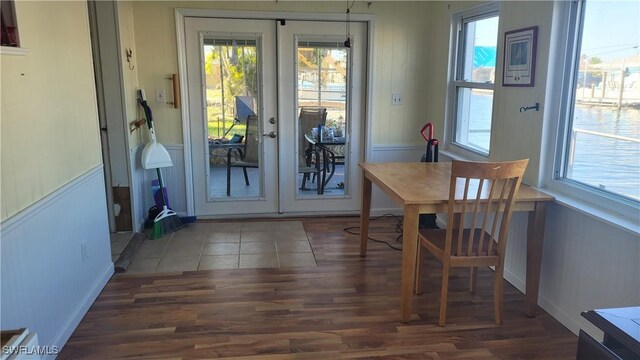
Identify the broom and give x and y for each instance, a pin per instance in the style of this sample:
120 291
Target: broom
155 156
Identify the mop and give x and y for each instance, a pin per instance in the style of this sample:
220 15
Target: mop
155 156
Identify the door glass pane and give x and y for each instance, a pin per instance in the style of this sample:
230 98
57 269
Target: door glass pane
322 122
233 121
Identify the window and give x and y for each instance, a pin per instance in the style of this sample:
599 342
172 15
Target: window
471 93
9 26
599 136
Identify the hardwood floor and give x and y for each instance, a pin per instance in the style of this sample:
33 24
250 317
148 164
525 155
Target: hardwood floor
347 307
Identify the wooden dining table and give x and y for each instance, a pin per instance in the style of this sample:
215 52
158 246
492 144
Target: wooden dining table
423 188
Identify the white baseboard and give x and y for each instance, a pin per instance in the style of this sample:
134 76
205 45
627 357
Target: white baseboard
75 318
515 280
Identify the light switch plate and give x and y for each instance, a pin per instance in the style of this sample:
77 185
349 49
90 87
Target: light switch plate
160 96
396 99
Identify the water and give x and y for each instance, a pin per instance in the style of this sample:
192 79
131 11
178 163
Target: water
610 164
601 162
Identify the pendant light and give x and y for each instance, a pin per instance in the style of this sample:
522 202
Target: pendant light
347 43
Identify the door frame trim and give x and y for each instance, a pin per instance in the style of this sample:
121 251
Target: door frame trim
182 13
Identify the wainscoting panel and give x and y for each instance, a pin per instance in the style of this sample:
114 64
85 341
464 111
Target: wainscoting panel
55 259
174 181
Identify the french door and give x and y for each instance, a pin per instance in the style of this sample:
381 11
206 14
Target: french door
249 82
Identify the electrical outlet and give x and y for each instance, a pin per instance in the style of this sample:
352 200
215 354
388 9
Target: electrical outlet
396 99
160 96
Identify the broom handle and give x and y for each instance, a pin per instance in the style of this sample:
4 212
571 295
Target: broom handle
164 201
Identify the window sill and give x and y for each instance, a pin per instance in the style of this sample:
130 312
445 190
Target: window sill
15 51
615 220
458 153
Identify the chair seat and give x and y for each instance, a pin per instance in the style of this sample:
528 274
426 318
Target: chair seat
307 170
434 240
240 163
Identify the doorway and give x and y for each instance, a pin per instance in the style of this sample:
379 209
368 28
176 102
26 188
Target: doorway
276 115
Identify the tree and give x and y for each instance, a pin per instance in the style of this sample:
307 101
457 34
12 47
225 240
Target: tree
595 60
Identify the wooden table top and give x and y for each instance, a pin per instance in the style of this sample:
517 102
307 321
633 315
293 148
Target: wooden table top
426 183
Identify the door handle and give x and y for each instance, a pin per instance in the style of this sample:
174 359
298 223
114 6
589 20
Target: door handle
271 134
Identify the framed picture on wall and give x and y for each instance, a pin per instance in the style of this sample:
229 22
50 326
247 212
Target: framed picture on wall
520 57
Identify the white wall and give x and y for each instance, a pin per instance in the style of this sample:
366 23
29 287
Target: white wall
48 107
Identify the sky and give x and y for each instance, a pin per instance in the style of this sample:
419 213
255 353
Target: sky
612 29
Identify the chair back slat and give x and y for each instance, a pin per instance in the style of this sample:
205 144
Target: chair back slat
462 216
486 218
474 217
498 214
485 193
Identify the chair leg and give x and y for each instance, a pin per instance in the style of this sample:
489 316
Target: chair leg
420 256
229 172
246 177
498 285
228 180
473 275
304 180
444 292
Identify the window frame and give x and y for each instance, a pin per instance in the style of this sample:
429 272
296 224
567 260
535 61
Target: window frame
455 77
615 208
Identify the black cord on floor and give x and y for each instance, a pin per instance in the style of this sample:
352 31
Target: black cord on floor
398 230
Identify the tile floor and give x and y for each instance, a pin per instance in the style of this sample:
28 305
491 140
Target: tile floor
119 242
229 245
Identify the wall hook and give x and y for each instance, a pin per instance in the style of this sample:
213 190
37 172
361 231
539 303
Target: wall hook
129 53
536 107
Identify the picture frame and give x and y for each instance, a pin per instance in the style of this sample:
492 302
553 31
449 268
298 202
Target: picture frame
519 66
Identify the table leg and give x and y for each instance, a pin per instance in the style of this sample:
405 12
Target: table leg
365 212
409 251
229 172
324 169
535 239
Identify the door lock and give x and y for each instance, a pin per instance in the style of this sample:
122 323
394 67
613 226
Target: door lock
271 134
272 121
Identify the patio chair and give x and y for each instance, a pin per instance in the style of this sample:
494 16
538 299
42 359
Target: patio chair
310 118
244 108
482 193
249 157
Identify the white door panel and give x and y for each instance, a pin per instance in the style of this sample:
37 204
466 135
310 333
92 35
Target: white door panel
318 71
231 74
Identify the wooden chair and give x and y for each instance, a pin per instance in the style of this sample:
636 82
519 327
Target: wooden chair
480 194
